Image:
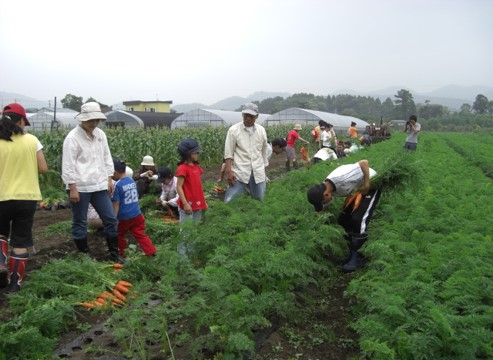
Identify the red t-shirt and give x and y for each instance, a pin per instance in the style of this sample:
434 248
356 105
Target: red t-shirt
192 186
292 137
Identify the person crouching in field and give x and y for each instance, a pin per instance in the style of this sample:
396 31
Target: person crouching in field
21 160
126 205
353 181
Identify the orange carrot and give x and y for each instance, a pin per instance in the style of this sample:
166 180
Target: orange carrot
304 154
88 305
349 200
118 302
357 201
121 288
119 295
100 302
107 295
125 283
117 266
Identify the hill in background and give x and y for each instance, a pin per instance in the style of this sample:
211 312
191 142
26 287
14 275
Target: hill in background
451 96
231 103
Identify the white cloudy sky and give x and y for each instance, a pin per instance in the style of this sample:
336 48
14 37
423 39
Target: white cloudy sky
206 50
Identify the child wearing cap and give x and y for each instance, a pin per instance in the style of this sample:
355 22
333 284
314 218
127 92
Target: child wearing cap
291 138
191 200
126 205
21 160
357 211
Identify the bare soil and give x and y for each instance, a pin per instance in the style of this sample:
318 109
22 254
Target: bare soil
284 341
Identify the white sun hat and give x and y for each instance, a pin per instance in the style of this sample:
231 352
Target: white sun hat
147 161
90 111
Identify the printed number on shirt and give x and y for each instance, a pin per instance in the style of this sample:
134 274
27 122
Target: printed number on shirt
131 196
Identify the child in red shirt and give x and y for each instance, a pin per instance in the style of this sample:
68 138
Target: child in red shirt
189 184
189 187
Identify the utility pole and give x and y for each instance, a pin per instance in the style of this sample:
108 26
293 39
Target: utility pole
54 115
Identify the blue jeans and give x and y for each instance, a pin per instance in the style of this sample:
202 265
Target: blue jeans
257 191
101 202
187 243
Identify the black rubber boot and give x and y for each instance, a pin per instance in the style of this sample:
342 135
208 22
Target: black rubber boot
113 250
356 260
17 268
288 166
4 256
82 245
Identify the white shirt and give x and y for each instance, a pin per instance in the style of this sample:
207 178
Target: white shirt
86 162
347 178
326 137
248 151
269 152
325 154
169 192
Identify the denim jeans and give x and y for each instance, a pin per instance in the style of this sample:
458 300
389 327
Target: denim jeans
101 202
257 191
186 245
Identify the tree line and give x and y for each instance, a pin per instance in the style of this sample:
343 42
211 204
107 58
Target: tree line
372 110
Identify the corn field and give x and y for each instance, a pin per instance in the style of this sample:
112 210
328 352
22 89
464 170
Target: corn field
131 144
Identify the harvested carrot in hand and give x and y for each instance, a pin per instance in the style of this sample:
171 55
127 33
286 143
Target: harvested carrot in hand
357 201
349 200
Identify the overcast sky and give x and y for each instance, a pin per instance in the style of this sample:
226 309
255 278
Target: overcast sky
205 50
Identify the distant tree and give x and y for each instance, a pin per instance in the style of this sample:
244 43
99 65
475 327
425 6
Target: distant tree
465 109
387 109
480 105
405 105
72 102
429 111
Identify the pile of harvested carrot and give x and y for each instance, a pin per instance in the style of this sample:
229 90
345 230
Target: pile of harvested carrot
217 189
117 296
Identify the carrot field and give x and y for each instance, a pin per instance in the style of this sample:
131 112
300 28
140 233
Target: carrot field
426 293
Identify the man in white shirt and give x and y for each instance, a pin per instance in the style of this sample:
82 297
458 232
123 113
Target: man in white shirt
245 155
324 154
87 168
353 181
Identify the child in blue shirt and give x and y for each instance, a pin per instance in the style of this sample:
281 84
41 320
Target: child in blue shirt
126 205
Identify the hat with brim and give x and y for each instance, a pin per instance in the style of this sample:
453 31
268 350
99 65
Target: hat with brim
251 109
315 196
90 111
147 161
297 127
18 109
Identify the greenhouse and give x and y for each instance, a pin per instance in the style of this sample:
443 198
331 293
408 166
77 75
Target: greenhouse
209 117
311 118
139 118
51 119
